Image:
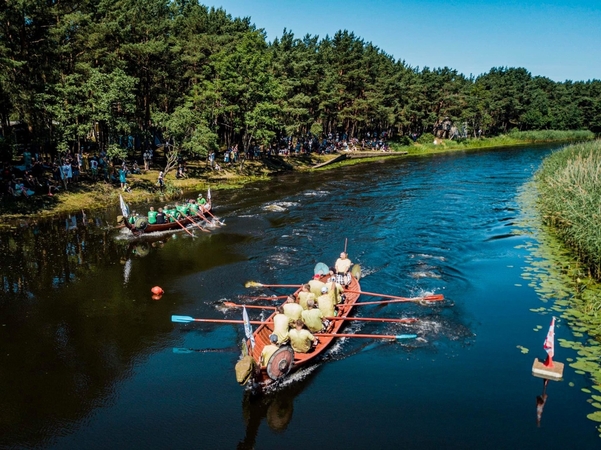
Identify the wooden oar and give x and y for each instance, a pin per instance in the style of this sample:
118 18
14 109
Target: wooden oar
402 300
202 229
205 219
218 221
430 298
249 284
183 227
263 297
188 319
359 319
368 336
235 305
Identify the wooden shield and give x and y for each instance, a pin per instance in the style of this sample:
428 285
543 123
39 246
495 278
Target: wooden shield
280 363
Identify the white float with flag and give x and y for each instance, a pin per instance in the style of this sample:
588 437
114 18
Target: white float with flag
550 370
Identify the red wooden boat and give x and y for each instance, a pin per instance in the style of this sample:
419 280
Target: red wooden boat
141 225
285 360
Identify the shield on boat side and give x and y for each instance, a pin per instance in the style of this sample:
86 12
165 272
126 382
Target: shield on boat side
280 363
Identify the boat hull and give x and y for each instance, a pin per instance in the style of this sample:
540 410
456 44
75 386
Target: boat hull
262 333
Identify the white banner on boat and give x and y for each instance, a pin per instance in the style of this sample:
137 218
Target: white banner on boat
124 207
248 330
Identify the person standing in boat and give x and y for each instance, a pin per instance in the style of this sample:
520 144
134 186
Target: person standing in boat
269 350
326 303
342 268
301 339
312 317
281 325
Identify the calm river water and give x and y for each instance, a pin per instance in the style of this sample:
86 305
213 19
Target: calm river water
89 361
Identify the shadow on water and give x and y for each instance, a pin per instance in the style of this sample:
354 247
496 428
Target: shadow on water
276 407
76 315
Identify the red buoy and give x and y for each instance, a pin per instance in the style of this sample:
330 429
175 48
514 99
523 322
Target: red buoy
156 297
157 290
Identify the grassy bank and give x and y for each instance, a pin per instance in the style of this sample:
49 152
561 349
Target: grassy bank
515 138
569 188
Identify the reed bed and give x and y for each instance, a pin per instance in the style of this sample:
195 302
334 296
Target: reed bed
569 185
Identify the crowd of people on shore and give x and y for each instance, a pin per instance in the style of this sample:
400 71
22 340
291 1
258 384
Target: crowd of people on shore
308 312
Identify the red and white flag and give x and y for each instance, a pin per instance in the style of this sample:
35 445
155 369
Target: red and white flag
549 344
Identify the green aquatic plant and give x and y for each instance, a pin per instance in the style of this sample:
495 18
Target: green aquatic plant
562 282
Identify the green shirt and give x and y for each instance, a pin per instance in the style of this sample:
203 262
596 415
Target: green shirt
152 217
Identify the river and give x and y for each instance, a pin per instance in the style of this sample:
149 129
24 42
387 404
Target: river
88 360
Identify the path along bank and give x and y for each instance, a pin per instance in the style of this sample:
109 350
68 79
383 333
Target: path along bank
143 187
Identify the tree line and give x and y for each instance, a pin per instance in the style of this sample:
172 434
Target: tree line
93 71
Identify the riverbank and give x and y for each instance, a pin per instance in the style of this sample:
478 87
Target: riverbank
96 195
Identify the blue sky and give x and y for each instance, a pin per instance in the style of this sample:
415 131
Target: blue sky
557 39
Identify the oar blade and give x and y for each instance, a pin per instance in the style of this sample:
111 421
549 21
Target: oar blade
356 271
406 336
182 319
182 350
433 298
250 284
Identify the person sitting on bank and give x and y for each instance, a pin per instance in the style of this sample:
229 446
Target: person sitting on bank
301 339
160 216
152 216
326 303
305 295
292 309
269 350
342 267
313 317
281 324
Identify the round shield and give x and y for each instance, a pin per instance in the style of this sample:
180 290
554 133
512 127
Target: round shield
280 363
321 269
356 271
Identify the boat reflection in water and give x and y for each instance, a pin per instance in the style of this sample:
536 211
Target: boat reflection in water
277 406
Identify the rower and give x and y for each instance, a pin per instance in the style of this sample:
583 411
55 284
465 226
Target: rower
292 309
152 216
313 317
301 339
160 216
281 324
315 285
305 295
269 350
342 267
326 303
193 207
201 200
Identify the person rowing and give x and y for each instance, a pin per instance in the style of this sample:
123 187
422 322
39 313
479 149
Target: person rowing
281 324
326 303
301 339
342 268
313 317
315 286
305 295
292 309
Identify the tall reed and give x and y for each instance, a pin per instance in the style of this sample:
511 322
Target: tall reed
569 185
